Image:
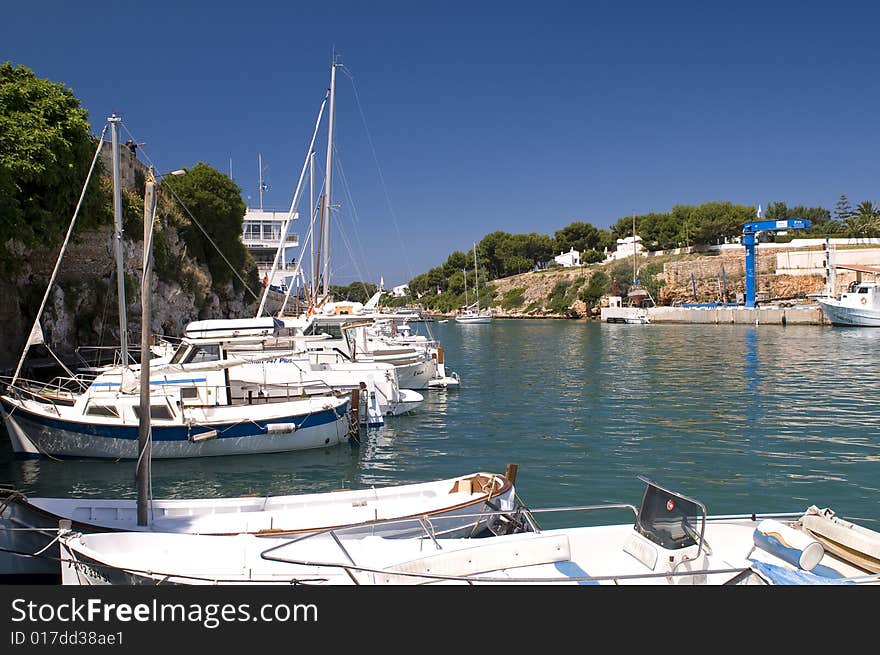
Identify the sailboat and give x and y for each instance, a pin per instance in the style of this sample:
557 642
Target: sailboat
192 410
472 313
354 334
638 295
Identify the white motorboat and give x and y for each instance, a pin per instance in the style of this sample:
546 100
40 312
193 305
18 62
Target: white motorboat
859 306
273 367
672 542
451 507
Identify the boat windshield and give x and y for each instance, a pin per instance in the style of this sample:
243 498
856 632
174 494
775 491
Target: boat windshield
188 354
668 519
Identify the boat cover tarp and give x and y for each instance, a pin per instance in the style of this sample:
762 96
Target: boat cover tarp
780 575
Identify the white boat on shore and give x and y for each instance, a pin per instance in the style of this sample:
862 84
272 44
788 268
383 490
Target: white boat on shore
450 507
672 542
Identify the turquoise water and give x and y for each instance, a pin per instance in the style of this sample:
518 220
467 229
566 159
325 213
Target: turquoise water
743 418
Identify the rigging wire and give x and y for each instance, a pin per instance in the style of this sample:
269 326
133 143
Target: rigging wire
199 225
384 186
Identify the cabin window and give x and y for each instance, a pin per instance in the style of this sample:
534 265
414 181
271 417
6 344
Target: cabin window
102 410
160 412
203 354
189 393
668 520
863 289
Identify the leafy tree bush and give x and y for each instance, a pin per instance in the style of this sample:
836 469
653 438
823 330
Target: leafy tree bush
213 201
45 154
598 285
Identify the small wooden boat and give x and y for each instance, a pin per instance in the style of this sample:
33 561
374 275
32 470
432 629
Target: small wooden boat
672 542
448 507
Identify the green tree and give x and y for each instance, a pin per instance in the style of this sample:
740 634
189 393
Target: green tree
598 285
212 203
45 154
842 210
866 220
582 237
355 292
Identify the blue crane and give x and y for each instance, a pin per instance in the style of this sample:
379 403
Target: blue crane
750 238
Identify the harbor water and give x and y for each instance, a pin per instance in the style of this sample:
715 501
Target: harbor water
743 418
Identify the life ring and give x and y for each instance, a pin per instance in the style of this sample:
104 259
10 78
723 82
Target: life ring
864 301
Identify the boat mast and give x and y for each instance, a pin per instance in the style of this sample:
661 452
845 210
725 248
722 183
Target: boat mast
329 175
464 272
312 214
634 251
142 473
476 279
114 121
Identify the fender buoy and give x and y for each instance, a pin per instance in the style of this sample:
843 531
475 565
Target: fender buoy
864 301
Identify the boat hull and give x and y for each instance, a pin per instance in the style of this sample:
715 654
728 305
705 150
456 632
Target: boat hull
452 508
845 315
34 434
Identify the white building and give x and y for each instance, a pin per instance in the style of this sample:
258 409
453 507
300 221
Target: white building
568 259
626 247
261 235
400 291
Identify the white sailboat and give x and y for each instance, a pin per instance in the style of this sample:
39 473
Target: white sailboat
192 410
472 313
418 363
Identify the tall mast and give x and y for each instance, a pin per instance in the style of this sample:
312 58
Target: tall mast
312 214
114 121
142 472
476 279
634 249
329 174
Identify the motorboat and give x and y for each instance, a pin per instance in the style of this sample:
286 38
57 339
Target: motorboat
858 306
672 541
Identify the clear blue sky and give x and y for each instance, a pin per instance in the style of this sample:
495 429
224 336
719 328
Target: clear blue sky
483 116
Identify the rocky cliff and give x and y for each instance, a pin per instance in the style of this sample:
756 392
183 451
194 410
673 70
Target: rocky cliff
82 309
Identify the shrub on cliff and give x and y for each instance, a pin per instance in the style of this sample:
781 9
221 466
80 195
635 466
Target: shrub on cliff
215 211
45 153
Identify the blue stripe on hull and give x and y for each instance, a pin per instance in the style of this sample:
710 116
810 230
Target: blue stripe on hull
61 438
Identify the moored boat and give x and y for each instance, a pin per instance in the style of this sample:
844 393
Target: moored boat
450 507
673 541
858 307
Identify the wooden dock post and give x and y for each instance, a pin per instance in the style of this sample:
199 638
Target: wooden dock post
510 473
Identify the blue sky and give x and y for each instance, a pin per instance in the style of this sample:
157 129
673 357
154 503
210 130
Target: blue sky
457 119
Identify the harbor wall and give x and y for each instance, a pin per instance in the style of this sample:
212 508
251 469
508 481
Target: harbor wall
798 315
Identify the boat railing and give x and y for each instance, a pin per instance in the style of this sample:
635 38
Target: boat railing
351 567
57 386
519 519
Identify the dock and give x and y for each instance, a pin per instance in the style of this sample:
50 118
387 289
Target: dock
806 314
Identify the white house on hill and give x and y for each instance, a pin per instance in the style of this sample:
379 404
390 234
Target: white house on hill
400 291
626 247
568 259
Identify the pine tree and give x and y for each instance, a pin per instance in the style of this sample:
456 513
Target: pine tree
842 210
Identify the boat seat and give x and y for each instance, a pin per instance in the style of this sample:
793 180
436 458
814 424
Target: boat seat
480 559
